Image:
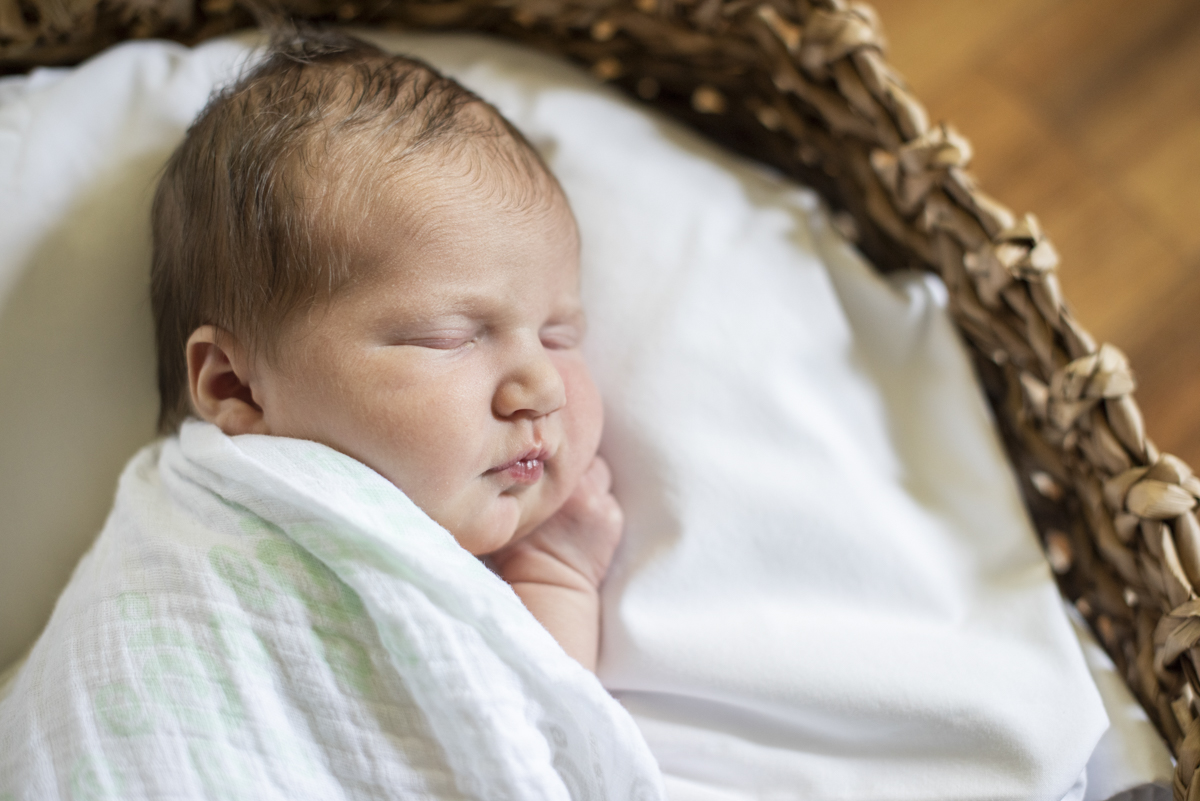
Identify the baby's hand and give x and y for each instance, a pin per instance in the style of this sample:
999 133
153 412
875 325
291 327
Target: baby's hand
574 547
558 567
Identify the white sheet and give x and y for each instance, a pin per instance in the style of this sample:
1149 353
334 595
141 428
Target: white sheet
1130 755
828 585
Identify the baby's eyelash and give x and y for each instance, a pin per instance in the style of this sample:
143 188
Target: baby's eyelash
447 344
440 343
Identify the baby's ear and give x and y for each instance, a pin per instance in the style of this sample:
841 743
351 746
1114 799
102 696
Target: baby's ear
221 382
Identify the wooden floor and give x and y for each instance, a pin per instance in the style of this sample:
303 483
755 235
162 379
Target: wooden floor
1087 113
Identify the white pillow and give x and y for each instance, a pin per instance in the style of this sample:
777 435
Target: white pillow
80 151
828 585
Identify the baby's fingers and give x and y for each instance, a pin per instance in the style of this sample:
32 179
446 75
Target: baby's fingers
592 503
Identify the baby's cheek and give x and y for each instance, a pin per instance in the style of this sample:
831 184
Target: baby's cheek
582 420
584 412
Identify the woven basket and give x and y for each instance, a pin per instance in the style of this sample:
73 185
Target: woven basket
803 85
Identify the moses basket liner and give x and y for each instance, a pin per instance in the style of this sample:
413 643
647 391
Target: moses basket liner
804 86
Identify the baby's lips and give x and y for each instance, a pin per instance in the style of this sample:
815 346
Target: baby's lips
534 454
525 472
529 450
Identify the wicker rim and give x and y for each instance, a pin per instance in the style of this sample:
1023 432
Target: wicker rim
804 86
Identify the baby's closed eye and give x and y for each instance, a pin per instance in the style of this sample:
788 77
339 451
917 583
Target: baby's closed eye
436 334
564 333
441 340
561 337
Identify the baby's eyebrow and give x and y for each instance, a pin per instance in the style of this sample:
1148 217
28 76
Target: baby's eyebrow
453 301
575 315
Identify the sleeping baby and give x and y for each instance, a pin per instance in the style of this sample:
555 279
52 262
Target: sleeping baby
365 286
355 250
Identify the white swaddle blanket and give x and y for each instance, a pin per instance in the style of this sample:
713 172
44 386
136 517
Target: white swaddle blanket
266 618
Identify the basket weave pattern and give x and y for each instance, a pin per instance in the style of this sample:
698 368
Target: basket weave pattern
804 86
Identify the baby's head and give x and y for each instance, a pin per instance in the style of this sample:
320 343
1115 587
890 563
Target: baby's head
353 249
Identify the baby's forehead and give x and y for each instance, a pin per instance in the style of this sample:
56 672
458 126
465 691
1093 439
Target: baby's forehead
370 187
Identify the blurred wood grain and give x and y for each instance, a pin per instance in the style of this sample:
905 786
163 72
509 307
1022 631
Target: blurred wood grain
1087 113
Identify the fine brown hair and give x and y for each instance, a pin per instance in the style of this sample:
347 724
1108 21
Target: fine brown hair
240 220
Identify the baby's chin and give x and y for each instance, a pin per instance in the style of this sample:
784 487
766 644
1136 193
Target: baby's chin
510 522
490 532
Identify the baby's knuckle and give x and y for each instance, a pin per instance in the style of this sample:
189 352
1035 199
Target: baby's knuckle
611 512
591 503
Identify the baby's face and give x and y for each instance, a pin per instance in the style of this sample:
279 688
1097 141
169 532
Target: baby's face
455 369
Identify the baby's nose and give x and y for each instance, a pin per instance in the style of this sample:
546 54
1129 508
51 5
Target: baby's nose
533 387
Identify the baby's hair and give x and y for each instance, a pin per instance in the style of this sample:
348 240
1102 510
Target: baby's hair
240 231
